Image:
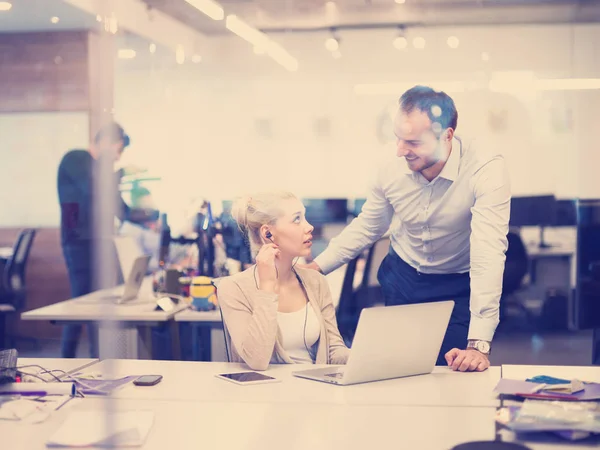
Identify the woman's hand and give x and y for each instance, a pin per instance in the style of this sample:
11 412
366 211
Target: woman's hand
265 263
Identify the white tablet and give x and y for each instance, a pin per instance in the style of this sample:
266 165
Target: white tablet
245 378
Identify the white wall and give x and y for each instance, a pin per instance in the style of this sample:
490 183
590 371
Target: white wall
31 147
243 123
239 122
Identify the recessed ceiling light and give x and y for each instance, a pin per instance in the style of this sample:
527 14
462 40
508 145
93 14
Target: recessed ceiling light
196 58
98 18
485 56
419 43
126 53
332 44
55 19
152 47
400 2
453 42
400 43
5 6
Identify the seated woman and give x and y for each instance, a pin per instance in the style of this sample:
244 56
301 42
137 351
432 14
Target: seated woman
275 312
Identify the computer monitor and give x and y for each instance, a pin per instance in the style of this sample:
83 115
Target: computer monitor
533 211
586 312
320 211
566 213
355 206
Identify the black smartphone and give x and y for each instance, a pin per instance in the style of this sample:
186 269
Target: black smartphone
148 380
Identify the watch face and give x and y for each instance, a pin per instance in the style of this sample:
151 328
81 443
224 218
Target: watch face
483 347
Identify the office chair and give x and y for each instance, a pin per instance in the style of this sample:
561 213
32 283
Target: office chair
12 286
226 336
516 267
368 293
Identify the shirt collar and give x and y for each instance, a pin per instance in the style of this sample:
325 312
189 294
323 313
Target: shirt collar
450 170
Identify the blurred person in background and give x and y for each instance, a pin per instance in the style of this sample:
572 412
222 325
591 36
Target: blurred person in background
77 174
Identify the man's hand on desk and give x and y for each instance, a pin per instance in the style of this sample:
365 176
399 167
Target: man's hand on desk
469 360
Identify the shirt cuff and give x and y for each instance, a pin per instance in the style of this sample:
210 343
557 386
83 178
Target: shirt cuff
482 329
326 261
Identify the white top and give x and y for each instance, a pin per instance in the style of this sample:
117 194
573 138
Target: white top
454 224
299 332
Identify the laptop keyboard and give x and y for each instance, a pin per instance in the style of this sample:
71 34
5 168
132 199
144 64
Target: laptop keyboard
337 375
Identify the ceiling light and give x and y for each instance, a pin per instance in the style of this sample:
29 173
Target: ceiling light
330 4
180 54
400 2
5 6
332 44
567 84
196 58
245 31
419 43
400 43
126 53
113 26
209 7
485 56
152 48
453 42
98 18
54 20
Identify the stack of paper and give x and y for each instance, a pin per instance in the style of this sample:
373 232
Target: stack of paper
571 420
102 429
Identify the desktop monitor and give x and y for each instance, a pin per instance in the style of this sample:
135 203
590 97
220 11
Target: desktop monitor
320 211
586 311
535 211
566 213
355 206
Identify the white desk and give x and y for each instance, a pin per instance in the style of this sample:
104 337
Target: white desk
68 365
583 373
191 425
118 324
196 381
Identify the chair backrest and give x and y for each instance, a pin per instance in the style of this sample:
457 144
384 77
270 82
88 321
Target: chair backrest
226 336
516 265
14 272
376 254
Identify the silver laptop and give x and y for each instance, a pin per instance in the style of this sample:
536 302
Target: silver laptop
134 281
391 342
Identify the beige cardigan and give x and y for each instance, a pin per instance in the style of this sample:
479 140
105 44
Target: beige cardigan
250 317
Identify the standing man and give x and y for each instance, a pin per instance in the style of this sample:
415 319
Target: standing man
451 203
77 175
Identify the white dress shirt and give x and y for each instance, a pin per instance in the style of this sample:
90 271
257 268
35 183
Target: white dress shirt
456 223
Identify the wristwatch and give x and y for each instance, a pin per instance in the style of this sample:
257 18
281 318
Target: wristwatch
481 346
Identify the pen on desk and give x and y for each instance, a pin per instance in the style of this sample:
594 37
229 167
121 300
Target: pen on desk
64 403
26 393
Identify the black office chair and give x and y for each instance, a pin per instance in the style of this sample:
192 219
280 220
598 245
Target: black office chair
226 336
368 294
516 267
12 286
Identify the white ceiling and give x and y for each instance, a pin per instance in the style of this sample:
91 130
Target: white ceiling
35 15
280 15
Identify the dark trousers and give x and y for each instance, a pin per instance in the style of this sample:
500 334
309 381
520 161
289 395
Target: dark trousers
79 266
401 284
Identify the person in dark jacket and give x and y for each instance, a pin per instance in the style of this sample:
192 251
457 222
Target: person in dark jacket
83 229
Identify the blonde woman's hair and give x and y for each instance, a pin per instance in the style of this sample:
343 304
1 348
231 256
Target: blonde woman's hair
253 211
